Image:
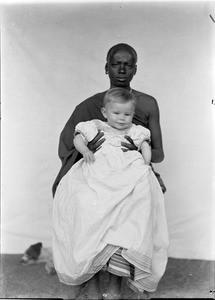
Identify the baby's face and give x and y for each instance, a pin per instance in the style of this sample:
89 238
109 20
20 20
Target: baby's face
119 115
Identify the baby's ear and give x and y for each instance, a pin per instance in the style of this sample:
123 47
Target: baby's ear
103 110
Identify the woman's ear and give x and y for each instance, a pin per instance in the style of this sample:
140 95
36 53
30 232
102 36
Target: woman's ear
135 69
106 68
103 110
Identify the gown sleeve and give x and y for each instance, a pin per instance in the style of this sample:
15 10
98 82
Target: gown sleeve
88 130
139 134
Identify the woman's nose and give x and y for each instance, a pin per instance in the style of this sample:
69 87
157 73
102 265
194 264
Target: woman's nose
122 68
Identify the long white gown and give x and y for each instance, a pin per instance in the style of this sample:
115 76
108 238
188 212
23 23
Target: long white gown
114 202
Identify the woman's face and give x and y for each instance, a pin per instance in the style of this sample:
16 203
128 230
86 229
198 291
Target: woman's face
121 68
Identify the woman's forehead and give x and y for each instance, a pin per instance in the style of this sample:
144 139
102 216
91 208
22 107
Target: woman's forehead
122 55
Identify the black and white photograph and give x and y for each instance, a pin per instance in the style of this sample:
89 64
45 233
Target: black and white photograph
107 150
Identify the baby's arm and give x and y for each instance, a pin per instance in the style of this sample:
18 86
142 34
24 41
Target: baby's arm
146 152
83 149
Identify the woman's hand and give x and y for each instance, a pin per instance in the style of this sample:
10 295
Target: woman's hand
128 146
89 157
96 143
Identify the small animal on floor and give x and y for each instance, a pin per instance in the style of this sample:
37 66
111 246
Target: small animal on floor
36 254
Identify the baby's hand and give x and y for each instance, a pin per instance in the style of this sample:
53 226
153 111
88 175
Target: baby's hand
89 157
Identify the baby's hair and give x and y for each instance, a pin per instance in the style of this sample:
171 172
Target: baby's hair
118 95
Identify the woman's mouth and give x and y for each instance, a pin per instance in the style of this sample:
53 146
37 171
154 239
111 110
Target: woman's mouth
121 79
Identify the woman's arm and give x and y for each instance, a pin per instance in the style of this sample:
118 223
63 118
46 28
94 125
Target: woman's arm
83 149
146 152
156 135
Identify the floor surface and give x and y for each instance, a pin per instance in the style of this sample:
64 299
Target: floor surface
182 279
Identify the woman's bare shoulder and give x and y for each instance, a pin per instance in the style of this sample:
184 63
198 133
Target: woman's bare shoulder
145 101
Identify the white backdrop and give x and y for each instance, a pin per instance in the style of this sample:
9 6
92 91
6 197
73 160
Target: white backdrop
53 57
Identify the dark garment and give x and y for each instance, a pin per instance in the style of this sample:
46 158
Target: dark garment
88 110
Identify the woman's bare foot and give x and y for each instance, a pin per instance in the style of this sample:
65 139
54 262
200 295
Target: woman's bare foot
91 290
144 295
114 288
138 296
107 296
94 291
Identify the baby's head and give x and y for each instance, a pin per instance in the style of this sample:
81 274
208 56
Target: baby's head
118 108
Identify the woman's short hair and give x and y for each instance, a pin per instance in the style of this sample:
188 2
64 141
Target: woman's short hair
119 47
118 95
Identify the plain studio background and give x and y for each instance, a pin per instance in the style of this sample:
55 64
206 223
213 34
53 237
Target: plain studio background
53 57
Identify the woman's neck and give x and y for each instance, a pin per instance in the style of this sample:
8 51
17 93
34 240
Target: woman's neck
128 88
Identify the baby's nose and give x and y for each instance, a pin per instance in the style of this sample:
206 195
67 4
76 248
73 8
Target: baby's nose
121 117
